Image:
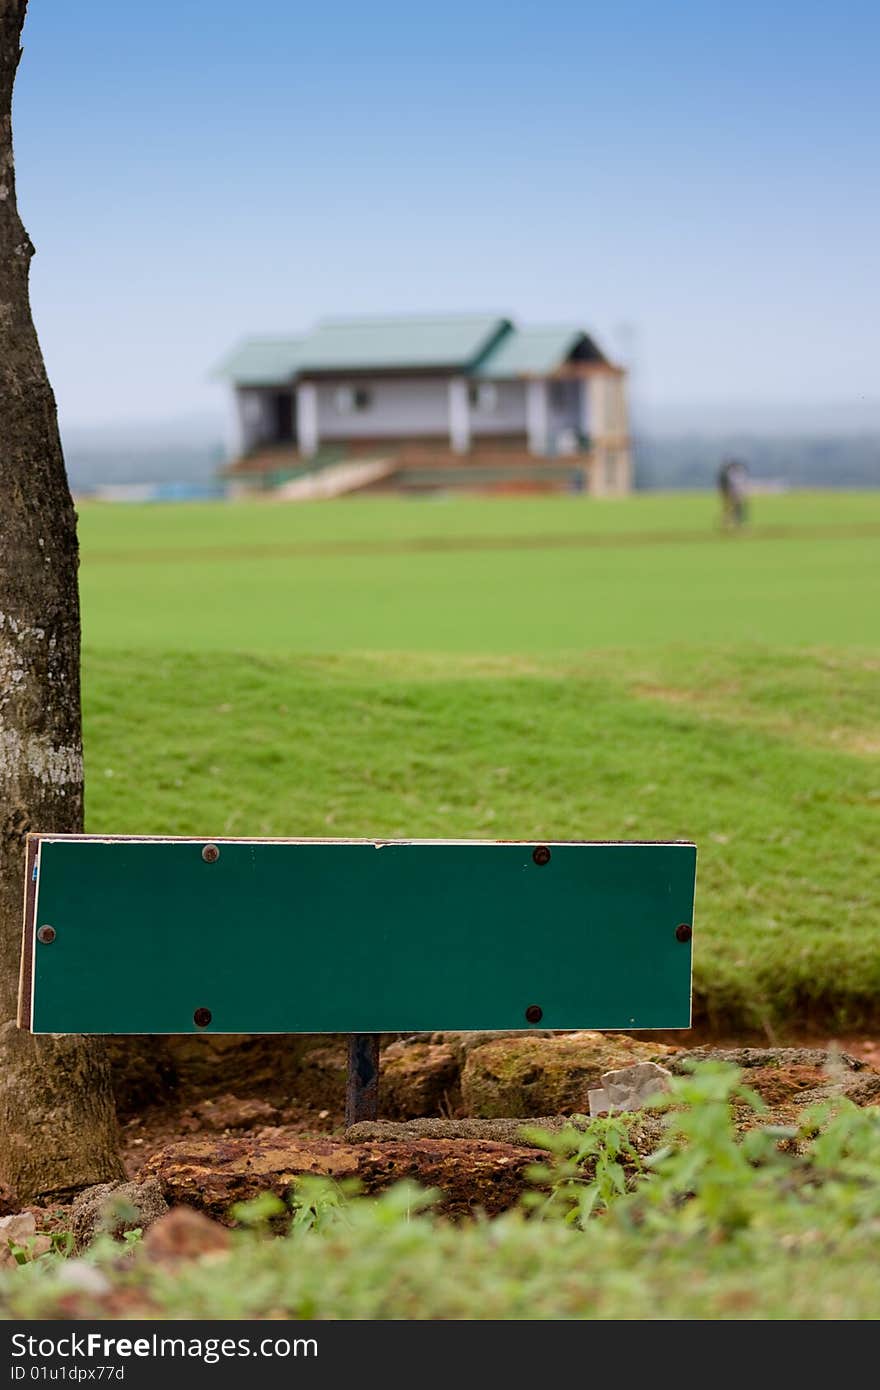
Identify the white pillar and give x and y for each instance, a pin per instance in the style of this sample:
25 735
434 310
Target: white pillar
459 416
234 434
307 418
621 423
536 416
597 402
584 421
252 416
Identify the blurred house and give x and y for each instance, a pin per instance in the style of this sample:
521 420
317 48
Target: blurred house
469 401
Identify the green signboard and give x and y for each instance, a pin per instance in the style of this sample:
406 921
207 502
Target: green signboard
137 935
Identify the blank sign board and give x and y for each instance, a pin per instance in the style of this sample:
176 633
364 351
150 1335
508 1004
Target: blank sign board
136 935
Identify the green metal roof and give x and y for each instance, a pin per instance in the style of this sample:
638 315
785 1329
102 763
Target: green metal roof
383 343
262 362
531 351
481 344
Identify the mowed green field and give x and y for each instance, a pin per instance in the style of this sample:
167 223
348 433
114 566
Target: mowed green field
542 669
551 575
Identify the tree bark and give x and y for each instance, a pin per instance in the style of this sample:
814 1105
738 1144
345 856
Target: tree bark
57 1122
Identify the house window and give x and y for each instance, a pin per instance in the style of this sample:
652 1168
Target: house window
349 400
558 395
483 397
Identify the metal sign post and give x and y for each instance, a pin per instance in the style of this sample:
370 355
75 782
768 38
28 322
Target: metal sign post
362 1084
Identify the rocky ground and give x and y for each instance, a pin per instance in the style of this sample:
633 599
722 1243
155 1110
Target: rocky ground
209 1121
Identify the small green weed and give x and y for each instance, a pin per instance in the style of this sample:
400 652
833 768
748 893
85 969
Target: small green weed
587 1169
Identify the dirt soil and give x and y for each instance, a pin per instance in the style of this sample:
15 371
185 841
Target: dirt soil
208 1150
177 1117
156 1127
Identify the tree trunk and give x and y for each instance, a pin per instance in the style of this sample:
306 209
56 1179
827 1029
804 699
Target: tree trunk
57 1122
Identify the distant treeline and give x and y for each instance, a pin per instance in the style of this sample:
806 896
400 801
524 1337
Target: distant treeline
661 461
692 461
89 467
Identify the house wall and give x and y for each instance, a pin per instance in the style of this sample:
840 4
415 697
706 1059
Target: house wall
508 415
419 408
416 407
398 408
607 405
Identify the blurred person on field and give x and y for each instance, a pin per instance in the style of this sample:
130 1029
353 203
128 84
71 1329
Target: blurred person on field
733 486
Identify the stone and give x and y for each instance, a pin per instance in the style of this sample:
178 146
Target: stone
779 1085
463 1044
321 1076
232 1112
418 1079
794 1076
644 1129
81 1277
496 1131
18 1229
211 1175
184 1233
527 1075
472 1175
629 1088
747 1057
114 1208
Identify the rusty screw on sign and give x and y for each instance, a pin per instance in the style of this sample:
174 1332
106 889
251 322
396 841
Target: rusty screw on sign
202 1017
684 932
541 855
46 935
210 854
534 1013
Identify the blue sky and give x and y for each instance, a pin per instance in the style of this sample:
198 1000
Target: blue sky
696 182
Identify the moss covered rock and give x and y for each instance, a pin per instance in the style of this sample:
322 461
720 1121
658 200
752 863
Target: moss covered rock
528 1075
470 1174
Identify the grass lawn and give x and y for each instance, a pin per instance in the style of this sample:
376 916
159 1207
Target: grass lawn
386 1266
547 669
559 574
